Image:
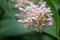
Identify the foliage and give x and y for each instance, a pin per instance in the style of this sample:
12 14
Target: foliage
10 27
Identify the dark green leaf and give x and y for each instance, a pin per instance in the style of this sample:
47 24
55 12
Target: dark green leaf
53 30
8 23
38 36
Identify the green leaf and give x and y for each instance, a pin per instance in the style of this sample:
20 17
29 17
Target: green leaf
38 36
8 23
53 30
58 6
55 1
10 26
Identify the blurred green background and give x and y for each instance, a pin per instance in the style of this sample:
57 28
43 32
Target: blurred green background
10 29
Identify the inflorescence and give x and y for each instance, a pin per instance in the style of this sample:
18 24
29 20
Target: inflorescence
35 16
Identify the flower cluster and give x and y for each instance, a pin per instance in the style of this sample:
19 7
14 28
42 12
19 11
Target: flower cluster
35 16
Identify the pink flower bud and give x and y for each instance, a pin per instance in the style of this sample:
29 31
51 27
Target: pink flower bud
40 12
28 13
20 21
21 9
51 14
17 15
33 15
43 5
16 5
26 21
33 6
33 18
31 3
50 24
49 19
41 0
44 8
47 10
